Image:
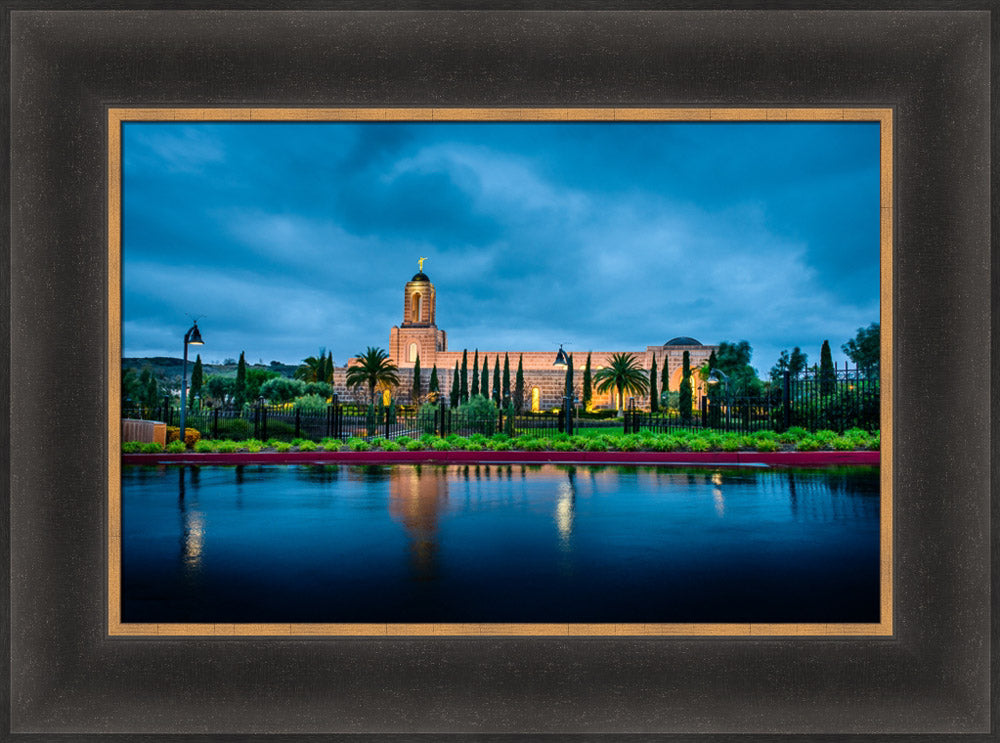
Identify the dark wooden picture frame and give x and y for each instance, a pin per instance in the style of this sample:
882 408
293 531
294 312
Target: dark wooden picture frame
931 676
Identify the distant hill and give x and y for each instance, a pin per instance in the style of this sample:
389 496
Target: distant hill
168 369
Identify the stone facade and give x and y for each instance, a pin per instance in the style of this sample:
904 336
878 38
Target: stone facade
544 383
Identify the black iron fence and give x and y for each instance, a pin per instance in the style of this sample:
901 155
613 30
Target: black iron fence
848 399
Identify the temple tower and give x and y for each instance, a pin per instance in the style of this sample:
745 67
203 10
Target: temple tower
418 333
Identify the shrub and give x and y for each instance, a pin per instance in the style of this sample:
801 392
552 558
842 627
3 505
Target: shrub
697 443
427 417
416 445
281 446
440 445
629 442
307 446
191 435
498 444
529 444
226 446
282 389
357 444
331 444
176 447
596 443
875 442
204 446
766 444
298 441
151 448
480 414
807 443
390 446
310 404
251 445
792 435
664 442
842 443
131 447
457 442
403 441
731 442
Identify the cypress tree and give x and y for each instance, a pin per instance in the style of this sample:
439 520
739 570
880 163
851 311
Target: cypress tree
506 378
588 385
569 377
519 386
417 382
665 377
434 386
684 403
827 374
484 382
463 394
496 379
197 379
475 374
654 401
240 392
328 369
456 388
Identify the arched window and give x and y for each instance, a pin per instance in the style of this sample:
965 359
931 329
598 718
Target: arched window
413 352
416 307
536 399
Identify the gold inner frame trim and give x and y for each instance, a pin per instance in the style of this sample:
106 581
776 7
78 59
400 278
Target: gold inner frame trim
118 116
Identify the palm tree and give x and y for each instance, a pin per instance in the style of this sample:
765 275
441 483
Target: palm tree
624 374
373 367
315 369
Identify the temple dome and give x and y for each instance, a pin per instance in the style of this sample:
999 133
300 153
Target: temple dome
421 276
682 340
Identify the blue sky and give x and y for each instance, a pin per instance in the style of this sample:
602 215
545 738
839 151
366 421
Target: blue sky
285 238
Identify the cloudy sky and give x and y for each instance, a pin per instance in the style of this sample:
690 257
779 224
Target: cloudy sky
284 238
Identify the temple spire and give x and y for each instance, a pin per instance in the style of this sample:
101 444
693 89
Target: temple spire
420 264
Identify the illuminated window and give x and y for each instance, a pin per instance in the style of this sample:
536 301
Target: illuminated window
413 352
536 399
416 307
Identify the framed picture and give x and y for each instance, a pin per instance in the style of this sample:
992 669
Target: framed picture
77 668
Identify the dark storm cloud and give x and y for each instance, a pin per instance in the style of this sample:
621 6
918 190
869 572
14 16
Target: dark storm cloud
288 237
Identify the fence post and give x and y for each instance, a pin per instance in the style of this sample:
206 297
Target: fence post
263 422
387 416
256 420
215 423
704 411
298 422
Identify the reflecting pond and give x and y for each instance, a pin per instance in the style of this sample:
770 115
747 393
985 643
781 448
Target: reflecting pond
499 543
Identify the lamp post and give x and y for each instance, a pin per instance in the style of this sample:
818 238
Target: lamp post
562 361
714 377
192 338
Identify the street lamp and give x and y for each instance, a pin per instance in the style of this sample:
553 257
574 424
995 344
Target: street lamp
561 358
193 338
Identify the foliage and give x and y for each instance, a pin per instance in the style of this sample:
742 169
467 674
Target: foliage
684 395
311 404
356 444
463 379
191 435
496 381
480 414
323 389
281 389
654 401
251 445
588 386
240 386
475 374
794 363
226 446
279 446
434 385
456 389
131 447
255 379
176 447
827 374
197 380
624 374
307 446
151 448
506 378
372 368
865 349
331 444
733 359
316 368
519 385
220 388
204 446
427 417
416 389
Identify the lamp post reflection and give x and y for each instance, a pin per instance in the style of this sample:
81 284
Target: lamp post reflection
192 527
566 508
720 501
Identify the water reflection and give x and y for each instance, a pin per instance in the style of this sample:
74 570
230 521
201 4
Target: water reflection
498 543
417 499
